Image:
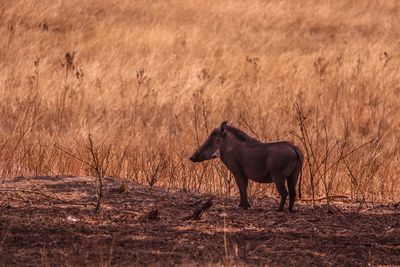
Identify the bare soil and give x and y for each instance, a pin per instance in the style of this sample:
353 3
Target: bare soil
43 221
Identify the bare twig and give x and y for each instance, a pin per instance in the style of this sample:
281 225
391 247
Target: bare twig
73 156
48 196
99 165
247 125
324 198
305 140
149 216
6 234
99 173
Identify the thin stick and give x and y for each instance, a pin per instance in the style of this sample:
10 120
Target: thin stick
72 155
324 198
47 196
96 167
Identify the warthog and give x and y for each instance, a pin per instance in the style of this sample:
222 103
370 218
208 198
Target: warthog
248 158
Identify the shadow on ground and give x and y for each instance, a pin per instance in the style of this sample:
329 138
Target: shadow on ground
36 230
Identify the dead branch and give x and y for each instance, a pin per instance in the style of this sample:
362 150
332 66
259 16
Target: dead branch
129 212
200 210
96 166
73 156
325 198
6 234
194 203
99 164
49 197
149 216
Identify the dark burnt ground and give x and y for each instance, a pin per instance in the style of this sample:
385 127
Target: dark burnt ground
36 230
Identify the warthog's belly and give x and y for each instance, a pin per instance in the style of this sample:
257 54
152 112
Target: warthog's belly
263 179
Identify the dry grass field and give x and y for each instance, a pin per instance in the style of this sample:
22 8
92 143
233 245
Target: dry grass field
129 89
148 80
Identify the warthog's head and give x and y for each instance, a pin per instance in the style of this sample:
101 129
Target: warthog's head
211 147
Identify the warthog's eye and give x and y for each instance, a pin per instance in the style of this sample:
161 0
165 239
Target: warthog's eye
218 141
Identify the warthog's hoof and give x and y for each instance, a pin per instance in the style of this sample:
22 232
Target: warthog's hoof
280 209
292 211
244 206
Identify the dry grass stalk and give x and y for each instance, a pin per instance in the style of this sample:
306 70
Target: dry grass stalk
167 83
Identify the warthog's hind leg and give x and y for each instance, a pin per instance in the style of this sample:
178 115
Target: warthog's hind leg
280 186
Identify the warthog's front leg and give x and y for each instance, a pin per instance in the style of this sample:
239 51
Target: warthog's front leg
242 183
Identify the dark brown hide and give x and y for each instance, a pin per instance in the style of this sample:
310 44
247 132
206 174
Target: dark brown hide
248 158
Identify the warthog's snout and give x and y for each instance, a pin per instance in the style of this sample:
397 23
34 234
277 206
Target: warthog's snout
194 158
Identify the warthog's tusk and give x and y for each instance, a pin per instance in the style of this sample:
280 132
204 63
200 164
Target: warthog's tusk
216 154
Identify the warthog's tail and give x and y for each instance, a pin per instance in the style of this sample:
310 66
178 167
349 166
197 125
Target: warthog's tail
299 165
301 174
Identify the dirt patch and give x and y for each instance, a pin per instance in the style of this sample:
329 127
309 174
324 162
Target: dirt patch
38 230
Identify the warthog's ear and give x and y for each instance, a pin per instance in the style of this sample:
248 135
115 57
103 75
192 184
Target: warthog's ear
223 126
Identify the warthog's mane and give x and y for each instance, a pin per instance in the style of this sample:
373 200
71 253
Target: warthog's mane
242 136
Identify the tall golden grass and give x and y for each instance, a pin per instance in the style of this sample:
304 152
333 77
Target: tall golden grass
149 79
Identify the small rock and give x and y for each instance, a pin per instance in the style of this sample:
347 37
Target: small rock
71 219
123 188
223 214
